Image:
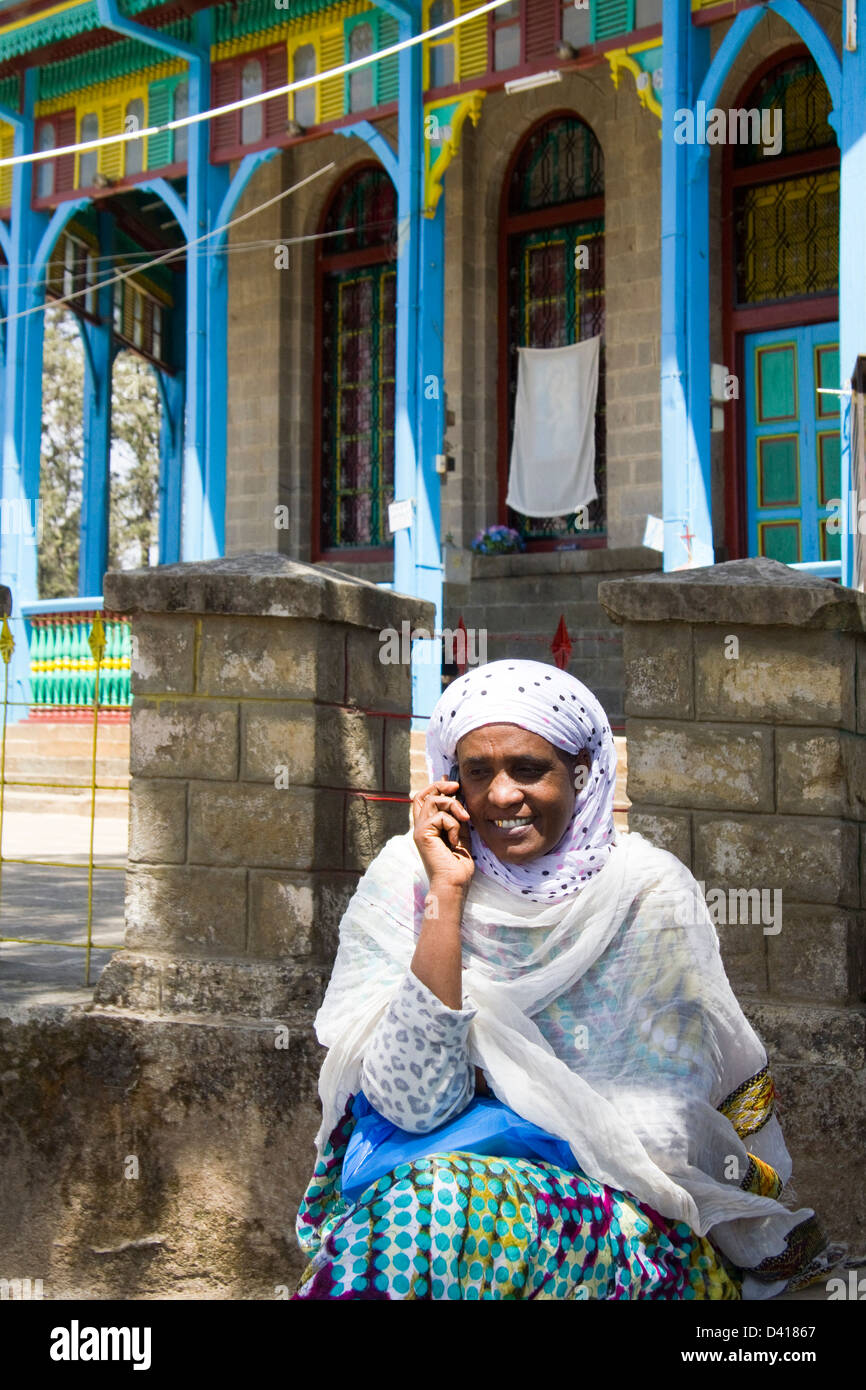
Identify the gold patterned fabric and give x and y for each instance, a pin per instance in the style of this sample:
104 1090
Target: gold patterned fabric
750 1106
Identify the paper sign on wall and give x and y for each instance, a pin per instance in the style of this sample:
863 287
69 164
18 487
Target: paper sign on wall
400 514
654 533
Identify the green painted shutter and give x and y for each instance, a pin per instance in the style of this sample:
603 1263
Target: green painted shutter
610 18
159 108
389 32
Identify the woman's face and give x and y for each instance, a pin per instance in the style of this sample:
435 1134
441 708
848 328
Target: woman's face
519 790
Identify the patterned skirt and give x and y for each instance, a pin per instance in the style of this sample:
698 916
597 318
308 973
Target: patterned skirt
458 1225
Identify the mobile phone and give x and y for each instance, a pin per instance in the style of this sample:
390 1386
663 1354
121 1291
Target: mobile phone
454 776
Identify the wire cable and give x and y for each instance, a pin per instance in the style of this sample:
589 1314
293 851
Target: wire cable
171 254
256 100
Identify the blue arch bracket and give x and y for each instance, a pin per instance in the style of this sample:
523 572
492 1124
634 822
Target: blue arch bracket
59 218
172 199
382 149
244 172
802 23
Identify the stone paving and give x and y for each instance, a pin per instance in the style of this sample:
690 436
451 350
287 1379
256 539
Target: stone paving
51 904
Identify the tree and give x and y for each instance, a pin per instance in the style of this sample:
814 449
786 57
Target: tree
134 468
62 455
135 417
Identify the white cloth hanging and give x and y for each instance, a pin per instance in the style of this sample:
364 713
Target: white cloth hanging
553 451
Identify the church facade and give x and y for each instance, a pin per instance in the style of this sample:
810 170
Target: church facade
333 286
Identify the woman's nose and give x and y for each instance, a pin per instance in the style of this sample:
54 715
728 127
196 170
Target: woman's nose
503 792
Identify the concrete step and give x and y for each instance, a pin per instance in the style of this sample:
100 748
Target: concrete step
47 769
72 802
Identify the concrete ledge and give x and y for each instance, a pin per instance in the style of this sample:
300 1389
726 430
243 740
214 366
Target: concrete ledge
600 560
155 1158
263 584
758 592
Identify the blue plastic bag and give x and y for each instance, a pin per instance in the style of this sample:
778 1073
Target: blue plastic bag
486 1126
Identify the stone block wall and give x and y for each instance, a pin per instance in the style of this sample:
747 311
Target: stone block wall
156 1144
270 759
745 703
518 601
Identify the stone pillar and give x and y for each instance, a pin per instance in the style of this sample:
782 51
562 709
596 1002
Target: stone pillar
270 762
745 702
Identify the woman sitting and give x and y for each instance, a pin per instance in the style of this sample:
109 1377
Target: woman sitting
539 1083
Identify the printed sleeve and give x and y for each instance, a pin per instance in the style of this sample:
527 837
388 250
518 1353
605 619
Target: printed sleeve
416 1069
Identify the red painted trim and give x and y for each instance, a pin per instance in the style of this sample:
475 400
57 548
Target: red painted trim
583 210
348 260
509 226
96 195
791 166
788 313
324 264
764 317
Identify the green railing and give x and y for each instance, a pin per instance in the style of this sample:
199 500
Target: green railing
62 668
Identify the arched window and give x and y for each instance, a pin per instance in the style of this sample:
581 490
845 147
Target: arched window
45 172
553 251
780 297
134 148
88 160
355 365
361 81
441 49
181 135
304 102
252 117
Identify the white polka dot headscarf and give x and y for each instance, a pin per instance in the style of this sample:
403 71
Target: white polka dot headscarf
551 703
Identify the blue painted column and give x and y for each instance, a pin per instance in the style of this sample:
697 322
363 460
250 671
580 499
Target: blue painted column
203 485
22 399
96 482
685 366
427 549
852 262
171 390
420 251
199 539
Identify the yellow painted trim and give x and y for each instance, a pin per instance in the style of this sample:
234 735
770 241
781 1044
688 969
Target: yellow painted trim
435 43
619 58
469 105
32 18
290 30
98 92
301 41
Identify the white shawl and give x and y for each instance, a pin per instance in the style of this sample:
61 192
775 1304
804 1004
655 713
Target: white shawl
607 1019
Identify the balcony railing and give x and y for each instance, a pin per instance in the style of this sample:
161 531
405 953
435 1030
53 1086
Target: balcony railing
62 668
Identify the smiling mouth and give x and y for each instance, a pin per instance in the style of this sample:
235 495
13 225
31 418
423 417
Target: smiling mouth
515 823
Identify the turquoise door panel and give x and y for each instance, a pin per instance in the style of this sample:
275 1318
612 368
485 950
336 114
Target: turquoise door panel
792 442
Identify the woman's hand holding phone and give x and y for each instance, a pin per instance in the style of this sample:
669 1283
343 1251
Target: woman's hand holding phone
441 832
